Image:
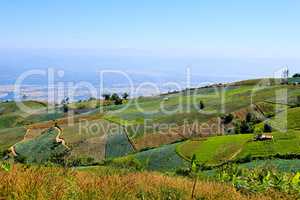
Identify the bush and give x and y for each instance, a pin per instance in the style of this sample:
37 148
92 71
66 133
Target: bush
201 105
65 108
252 118
118 101
269 115
20 159
237 128
125 96
106 97
246 127
227 118
4 154
267 128
183 171
80 161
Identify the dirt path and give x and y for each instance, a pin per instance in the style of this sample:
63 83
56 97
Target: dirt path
12 150
60 140
26 136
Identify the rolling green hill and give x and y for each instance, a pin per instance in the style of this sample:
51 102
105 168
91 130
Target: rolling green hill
221 149
163 158
214 150
88 135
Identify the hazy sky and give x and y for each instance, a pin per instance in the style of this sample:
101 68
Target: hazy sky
256 28
152 39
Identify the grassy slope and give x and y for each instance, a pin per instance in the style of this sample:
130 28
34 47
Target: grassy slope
292 116
87 138
117 145
236 97
56 183
12 116
11 136
214 150
159 159
283 143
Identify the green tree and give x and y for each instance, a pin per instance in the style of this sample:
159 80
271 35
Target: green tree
298 100
114 97
106 97
201 105
194 169
65 103
118 101
227 118
267 128
297 75
246 127
249 117
125 95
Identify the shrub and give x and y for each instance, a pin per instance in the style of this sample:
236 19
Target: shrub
106 97
227 118
118 101
125 96
183 171
267 128
80 161
237 128
20 159
246 127
171 193
201 105
269 115
65 108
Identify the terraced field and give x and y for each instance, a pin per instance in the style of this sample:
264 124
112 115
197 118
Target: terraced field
154 110
163 158
11 136
87 138
118 145
282 144
41 149
101 135
214 150
217 150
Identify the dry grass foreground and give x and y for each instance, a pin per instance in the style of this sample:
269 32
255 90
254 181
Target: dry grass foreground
29 183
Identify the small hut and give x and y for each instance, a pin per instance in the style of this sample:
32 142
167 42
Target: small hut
263 137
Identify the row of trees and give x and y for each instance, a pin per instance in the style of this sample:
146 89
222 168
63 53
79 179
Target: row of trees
248 125
297 75
118 100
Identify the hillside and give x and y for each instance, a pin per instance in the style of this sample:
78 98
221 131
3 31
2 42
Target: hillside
163 133
107 183
46 147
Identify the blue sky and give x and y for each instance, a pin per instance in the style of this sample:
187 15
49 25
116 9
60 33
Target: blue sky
200 28
155 38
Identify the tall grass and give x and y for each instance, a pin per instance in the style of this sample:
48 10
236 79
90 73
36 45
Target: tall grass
57 183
